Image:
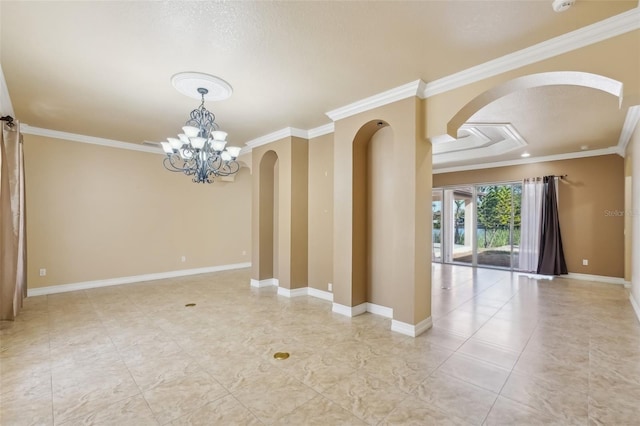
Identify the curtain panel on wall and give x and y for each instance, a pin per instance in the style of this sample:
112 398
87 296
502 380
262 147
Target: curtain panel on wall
13 250
551 260
531 223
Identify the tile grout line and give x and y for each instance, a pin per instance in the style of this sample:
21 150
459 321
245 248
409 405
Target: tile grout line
125 364
53 416
499 393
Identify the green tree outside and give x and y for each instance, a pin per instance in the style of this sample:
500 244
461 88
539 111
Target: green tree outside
495 204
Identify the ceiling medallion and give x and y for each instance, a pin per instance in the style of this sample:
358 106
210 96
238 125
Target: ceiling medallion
201 151
188 84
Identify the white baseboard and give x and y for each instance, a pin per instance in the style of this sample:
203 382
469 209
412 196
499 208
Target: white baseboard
63 288
635 306
627 284
410 329
349 311
596 278
295 292
383 311
536 276
320 294
264 283
352 311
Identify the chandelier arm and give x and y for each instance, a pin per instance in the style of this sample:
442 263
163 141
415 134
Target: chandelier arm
175 163
215 162
229 168
169 163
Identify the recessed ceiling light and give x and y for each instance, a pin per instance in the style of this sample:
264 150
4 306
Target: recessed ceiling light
525 154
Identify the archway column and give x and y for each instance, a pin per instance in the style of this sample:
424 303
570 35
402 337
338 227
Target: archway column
411 260
290 227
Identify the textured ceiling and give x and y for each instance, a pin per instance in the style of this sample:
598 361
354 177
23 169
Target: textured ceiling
103 68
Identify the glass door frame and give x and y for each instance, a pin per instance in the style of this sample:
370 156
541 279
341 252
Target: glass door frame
445 213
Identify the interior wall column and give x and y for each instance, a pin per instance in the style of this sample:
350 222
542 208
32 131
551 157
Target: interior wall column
291 249
411 167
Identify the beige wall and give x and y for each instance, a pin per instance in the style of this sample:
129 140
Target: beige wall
265 261
292 205
321 212
96 213
380 213
591 200
410 168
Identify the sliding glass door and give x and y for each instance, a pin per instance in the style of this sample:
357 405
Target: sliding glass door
457 225
477 225
436 214
498 225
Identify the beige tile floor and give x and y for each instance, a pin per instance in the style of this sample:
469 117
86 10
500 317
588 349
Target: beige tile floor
504 349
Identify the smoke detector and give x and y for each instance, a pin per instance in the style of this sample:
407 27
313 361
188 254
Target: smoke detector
562 5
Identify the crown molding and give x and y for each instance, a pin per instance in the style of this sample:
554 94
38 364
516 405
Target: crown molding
6 108
276 136
594 33
599 31
530 160
287 132
321 130
415 88
37 131
629 126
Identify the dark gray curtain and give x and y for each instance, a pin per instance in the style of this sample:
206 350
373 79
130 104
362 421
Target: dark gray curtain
551 260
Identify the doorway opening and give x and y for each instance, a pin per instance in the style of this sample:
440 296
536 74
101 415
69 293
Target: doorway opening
477 225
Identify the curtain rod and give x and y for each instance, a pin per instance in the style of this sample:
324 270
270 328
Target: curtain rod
553 176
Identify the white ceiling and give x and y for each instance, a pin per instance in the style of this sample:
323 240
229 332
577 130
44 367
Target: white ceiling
103 69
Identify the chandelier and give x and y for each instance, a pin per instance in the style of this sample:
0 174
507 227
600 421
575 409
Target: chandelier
201 151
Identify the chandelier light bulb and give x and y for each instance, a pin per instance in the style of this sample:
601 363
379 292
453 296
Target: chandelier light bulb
166 146
191 131
234 151
218 146
175 143
198 143
219 135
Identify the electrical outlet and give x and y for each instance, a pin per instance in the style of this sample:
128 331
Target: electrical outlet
43 272
585 262
184 258
330 287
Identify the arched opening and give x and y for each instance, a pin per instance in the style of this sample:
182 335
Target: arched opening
571 78
373 186
268 217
